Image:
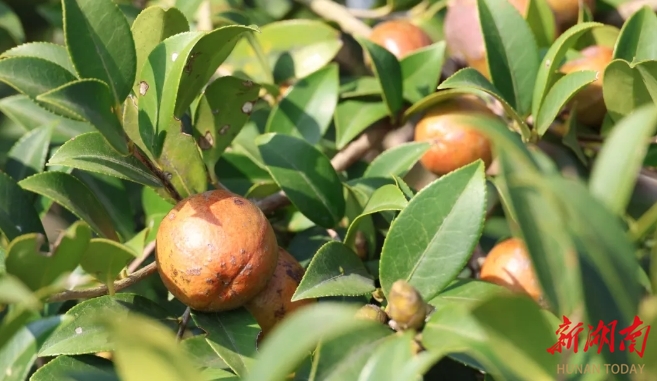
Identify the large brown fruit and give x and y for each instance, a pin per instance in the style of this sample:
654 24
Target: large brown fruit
400 37
215 251
566 12
453 144
591 107
274 303
463 35
508 264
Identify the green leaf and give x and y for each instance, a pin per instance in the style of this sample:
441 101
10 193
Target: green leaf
17 213
547 70
343 357
634 43
80 333
421 71
306 176
182 164
621 79
76 368
145 349
614 173
91 152
88 100
540 19
293 48
469 80
27 113
220 116
389 359
33 76
467 292
207 54
202 353
48 51
387 69
104 259
100 43
511 52
18 355
13 291
28 155
354 116
335 270
10 22
359 87
559 95
284 349
154 25
307 108
397 161
37 269
73 195
232 335
388 197
429 242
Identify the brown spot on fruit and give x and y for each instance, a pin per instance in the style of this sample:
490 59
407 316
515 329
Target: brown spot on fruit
197 240
238 201
274 303
590 106
400 37
508 264
453 144
196 271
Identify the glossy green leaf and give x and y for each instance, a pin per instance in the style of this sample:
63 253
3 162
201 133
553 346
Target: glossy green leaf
421 71
100 44
511 51
540 19
284 348
72 194
10 22
76 368
39 269
33 76
28 155
182 163
80 333
359 87
621 79
104 259
614 173
343 357
91 152
27 113
560 93
471 79
154 25
48 51
635 43
306 176
293 48
88 100
232 335
307 108
429 242
387 69
547 73
220 115
354 116
239 173
17 213
335 270
146 349
397 161
18 355
202 353
388 197
389 359
467 292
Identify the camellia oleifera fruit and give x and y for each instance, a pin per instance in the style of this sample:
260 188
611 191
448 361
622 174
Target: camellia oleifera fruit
215 251
508 264
590 103
400 37
275 302
453 144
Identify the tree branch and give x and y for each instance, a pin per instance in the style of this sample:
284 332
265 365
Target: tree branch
335 12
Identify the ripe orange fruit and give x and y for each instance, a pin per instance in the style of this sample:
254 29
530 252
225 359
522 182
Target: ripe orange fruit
400 37
274 303
591 106
453 145
215 251
508 264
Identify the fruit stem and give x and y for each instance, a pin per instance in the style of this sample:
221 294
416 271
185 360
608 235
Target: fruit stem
184 320
110 285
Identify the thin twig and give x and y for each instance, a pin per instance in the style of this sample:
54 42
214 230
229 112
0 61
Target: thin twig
337 13
148 250
183 323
